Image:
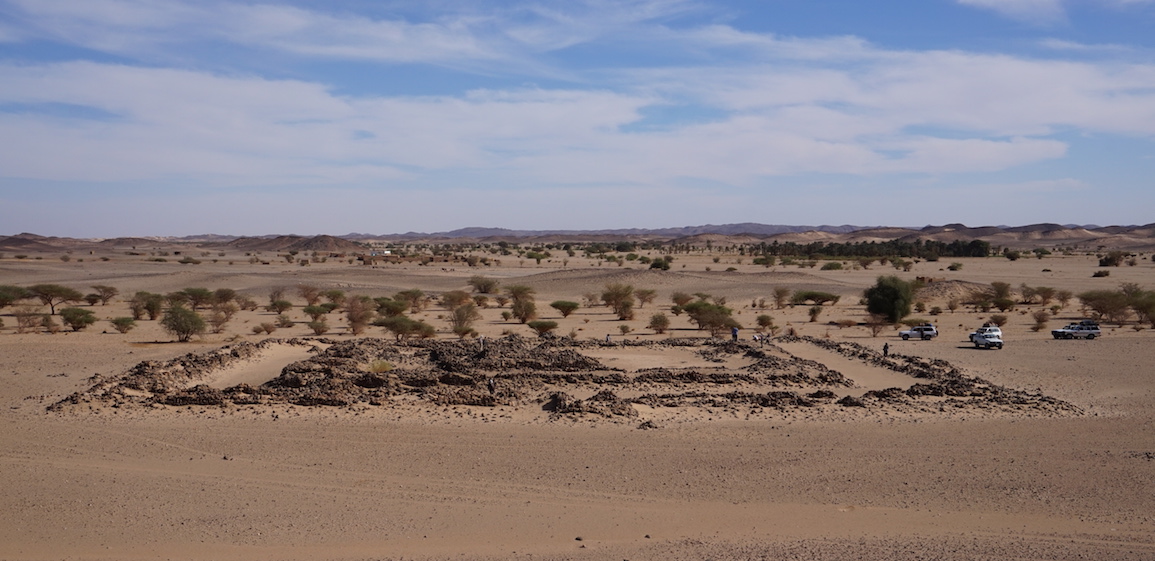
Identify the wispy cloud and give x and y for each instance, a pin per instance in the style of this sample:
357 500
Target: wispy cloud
1039 11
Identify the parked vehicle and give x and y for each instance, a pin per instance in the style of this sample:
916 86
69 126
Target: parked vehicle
987 336
925 332
1084 330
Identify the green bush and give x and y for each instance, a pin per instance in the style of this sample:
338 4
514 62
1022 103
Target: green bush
832 266
182 323
77 318
565 307
890 297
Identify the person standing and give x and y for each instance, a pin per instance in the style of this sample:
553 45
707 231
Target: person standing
885 350
734 333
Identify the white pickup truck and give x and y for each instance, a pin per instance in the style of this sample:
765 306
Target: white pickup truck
925 332
987 336
1084 330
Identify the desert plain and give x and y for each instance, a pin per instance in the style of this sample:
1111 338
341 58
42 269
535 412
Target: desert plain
1060 466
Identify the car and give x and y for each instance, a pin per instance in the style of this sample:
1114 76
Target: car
925 332
1082 330
987 336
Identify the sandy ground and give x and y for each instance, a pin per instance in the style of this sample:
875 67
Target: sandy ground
291 482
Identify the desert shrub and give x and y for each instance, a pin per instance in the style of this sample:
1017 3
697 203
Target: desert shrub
266 328
217 321
316 312
542 326
814 312
999 320
284 321
318 326
934 311
224 296
844 323
1040 317
405 328
645 296
310 293
462 317
182 323
49 324
507 315
765 323
890 297
380 366
481 301
832 266
817 297
414 297
92 299
920 307
246 303
28 319
1004 304
781 294
454 299
77 318
955 266
279 306
952 304
681 298
188 260
483 285
565 307
146 303
1112 259
1099 274
523 310
659 322
1012 255
359 311
624 329
335 297
501 301
390 307
123 324
620 299
711 317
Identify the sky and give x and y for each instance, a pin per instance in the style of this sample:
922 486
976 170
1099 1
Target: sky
175 117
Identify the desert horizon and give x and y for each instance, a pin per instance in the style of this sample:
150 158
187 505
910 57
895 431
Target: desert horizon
288 426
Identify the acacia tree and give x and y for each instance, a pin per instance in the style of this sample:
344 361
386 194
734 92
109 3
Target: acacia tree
714 318
52 295
414 297
10 294
523 307
565 307
890 297
105 293
199 297
620 299
645 296
182 323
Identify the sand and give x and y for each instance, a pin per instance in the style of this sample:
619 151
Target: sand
413 482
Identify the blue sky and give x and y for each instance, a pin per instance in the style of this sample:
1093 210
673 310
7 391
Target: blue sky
174 117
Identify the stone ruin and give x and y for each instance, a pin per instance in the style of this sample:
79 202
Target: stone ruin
545 374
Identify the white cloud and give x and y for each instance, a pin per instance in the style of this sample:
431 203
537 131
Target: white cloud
1043 11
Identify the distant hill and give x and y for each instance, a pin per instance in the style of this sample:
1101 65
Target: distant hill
1136 238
